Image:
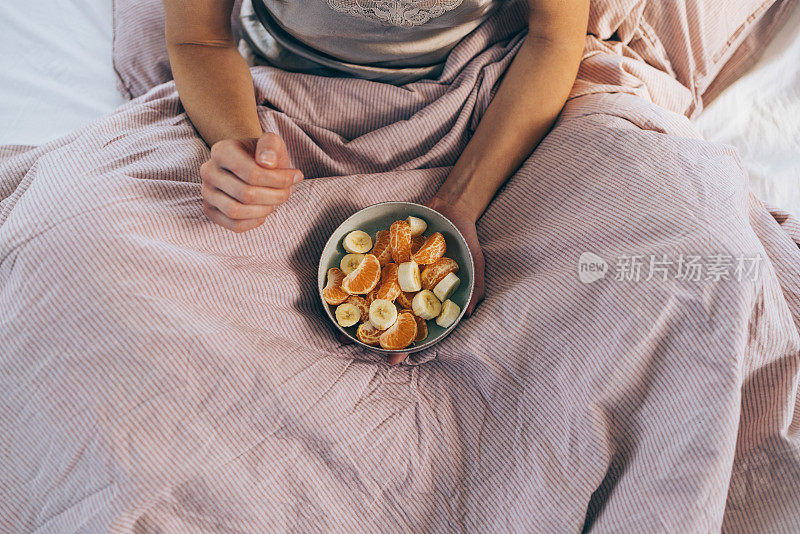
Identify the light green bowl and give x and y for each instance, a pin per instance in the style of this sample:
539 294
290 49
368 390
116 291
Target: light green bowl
380 217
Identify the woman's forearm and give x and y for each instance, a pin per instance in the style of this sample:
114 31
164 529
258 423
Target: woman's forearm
530 97
216 90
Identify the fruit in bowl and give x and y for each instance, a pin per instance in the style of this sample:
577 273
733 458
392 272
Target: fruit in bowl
396 277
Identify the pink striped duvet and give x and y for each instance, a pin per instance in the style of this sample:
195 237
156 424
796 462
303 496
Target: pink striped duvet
159 374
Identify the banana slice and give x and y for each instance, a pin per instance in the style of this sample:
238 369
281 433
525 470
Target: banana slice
450 312
347 314
382 313
418 226
350 262
357 242
408 276
444 289
426 305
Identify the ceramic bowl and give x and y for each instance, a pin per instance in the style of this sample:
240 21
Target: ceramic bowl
380 217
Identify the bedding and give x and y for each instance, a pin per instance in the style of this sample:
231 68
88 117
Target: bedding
56 71
760 115
40 104
160 374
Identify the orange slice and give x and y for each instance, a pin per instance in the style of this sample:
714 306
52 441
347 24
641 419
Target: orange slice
361 304
431 250
364 278
401 334
389 288
436 271
381 249
422 326
416 243
372 295
333 292
404 299
368 334
400 241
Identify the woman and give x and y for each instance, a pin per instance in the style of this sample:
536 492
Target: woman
250 171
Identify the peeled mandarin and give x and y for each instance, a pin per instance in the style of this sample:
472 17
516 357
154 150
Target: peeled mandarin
372 295
364 278
431 250
368 334
389 288
400 241
422 328
422 325
382 249
434 273
401 334
416 243
333 292
404 299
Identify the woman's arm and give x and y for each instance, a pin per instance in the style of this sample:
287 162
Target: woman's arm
212 78
529 99
249 172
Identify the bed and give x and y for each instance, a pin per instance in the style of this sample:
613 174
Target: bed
160 374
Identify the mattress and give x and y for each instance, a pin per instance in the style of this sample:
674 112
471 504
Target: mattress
55 77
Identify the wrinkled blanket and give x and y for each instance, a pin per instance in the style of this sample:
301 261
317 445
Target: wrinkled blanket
160 374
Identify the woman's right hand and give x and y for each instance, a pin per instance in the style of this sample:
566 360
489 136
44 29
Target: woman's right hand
245 179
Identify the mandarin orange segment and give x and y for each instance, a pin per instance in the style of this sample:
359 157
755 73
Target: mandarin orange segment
364 278
333 292
416 243
431 250
401 334
422 328
436 271
361 304
422 325
372 295
382 248
389 288
368 334
400 241
404 299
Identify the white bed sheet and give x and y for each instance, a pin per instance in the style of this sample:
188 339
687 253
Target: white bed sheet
760 115
56 74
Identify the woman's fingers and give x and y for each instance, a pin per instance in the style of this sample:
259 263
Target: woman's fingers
396 358
479 288
232 155
235 225
271 152
245 179
243 192
232 208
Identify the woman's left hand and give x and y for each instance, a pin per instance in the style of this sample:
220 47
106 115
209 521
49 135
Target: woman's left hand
466 225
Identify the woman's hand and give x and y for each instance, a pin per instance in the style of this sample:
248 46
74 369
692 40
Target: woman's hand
465 223
245 179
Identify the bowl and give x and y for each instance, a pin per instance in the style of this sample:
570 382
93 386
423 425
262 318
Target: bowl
380 217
